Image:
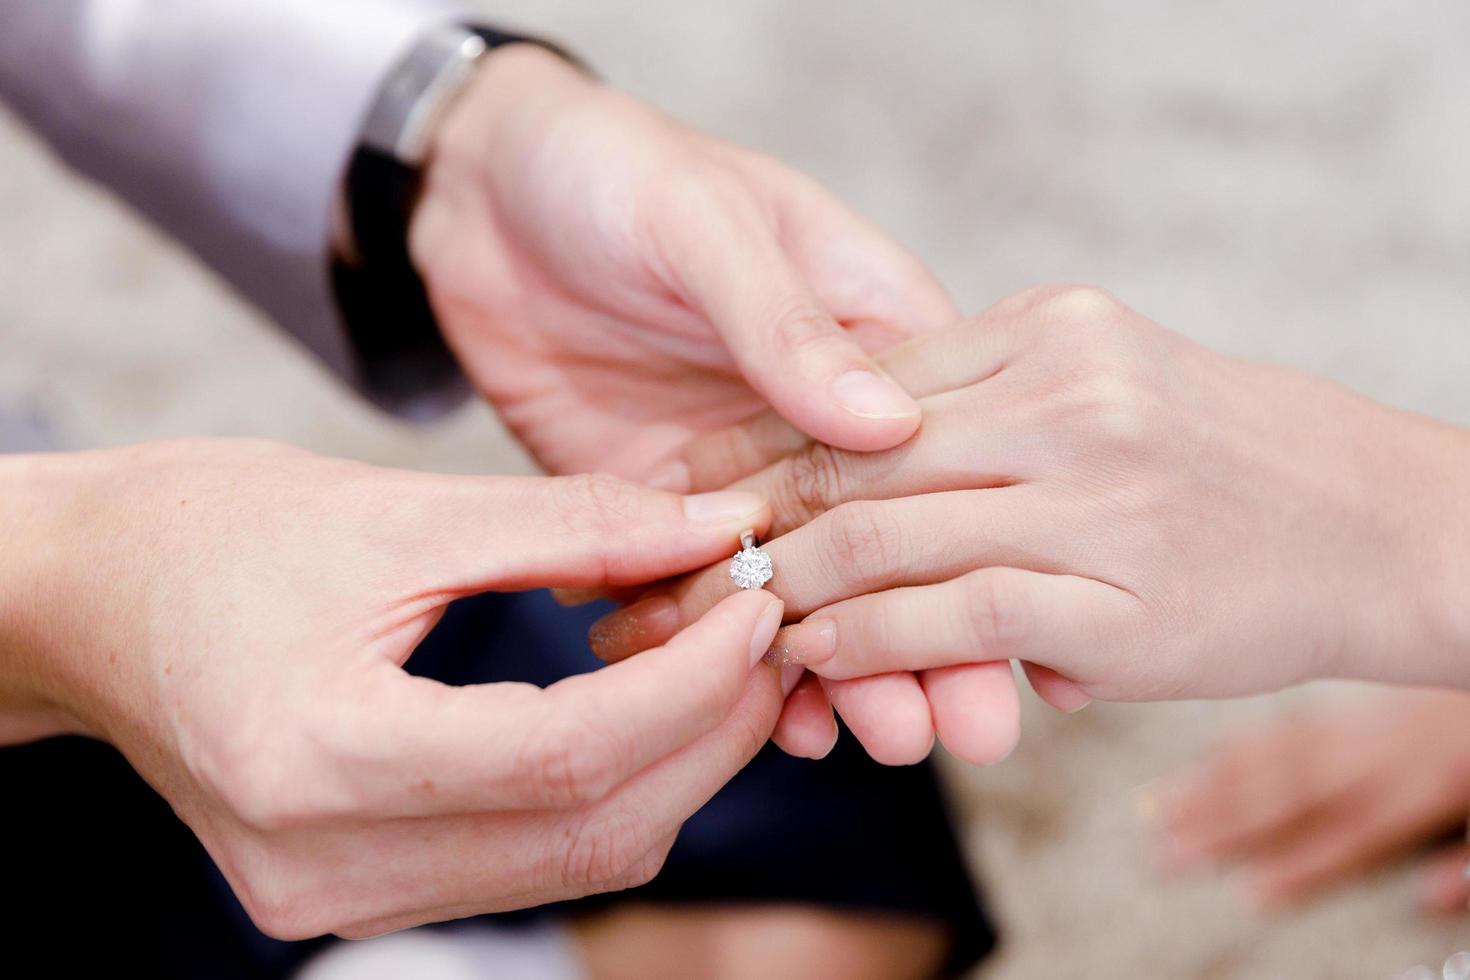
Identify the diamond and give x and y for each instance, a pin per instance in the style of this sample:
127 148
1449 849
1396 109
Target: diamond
751 568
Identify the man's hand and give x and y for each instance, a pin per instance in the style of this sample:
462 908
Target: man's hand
1096 496
234 618
615 283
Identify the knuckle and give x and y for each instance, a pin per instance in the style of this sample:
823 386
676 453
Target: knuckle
282 911
251 776
1083 305
751 731
798 327
1120 412
253 793
996 612
645 869
1025 301
598 502
570 767
865 541
602 849
814 482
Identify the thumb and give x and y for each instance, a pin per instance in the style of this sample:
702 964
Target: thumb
590 531
789 348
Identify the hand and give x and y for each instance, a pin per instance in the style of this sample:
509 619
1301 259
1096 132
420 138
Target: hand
1097 496
1305 804
234 618
615 283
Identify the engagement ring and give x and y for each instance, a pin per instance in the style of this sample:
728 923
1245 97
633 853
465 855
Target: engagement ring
751 567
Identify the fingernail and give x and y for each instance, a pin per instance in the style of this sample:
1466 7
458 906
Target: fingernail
830 745
765 630
790 677
808 643
723 507
635 628
672 476
869 396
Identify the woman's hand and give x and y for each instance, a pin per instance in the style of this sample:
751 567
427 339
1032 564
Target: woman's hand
1305 804
234 618
615 283
1094 495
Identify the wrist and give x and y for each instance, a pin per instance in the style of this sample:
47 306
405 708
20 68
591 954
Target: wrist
1438 530
402 360
515 97
37 517
1419 630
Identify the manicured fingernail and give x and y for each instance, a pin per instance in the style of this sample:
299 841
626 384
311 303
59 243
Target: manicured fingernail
765 630
790 677
723 507
808 644
644 624
869 396
672 476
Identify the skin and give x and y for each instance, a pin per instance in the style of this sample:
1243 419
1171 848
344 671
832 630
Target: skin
1302 805
615 283
259 603
1131 515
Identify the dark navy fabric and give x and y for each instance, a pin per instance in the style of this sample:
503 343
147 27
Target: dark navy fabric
99 871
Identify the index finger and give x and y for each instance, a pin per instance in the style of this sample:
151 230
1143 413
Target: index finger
956 356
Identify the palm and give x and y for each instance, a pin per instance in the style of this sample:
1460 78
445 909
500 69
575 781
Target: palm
598 270
590 359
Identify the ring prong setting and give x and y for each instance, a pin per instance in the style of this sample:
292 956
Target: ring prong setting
751 567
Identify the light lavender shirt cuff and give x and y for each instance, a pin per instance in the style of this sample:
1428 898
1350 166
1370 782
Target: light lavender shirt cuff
227 122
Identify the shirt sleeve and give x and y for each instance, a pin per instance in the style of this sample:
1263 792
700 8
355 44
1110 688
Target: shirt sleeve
227 122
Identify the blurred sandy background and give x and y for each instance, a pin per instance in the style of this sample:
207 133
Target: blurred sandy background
1282 181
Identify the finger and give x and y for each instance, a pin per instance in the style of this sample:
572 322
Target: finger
856 269
868 546
419 747
889 718
974 707
807 728
475 534
638 626
976 712
865 547
452 867
1347 840
1253 796
888 714
1059 692
1442 886
664 795
733 271
991 614
941 361
717 459
976 443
